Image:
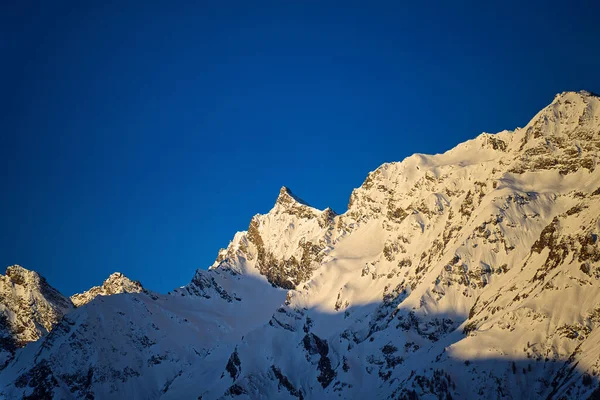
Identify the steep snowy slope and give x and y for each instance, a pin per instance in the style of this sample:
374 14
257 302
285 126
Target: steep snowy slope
29 308
115 284
469 274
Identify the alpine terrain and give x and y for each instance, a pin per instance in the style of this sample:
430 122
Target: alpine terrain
473 274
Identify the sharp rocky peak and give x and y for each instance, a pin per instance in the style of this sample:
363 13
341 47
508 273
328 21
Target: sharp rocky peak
116 277
22 276
32 282
116 283
286 198
29 308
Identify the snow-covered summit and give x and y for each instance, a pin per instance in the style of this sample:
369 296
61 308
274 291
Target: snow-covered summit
116 283
287 198
29 308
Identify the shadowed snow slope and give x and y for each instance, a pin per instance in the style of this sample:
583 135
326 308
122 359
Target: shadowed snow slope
469 274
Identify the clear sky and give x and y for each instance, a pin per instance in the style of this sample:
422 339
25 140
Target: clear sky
140 138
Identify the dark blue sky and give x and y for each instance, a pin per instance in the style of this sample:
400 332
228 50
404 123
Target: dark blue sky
141 138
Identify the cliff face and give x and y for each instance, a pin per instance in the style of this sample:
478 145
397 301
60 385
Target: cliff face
469 274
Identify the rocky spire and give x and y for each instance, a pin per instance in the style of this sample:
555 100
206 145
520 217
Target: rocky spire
287 198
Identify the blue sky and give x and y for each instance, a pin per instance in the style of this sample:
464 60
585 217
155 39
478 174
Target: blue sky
140 139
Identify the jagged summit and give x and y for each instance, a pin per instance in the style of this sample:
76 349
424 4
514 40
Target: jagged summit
115 276
116 283
20 276
286 198
23 280
29 308
581 93
572 102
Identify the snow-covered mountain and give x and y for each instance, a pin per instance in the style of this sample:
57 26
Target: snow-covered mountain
29 308
115 284
469 274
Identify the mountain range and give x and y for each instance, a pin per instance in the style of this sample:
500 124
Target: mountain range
469 274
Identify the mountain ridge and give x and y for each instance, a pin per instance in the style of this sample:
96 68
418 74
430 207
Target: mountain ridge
30 307
468 274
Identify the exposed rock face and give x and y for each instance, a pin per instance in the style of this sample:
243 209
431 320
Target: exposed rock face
115 284
307 235
469 274
29 308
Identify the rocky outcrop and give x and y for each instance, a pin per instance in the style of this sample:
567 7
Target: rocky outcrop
115 284
285 245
